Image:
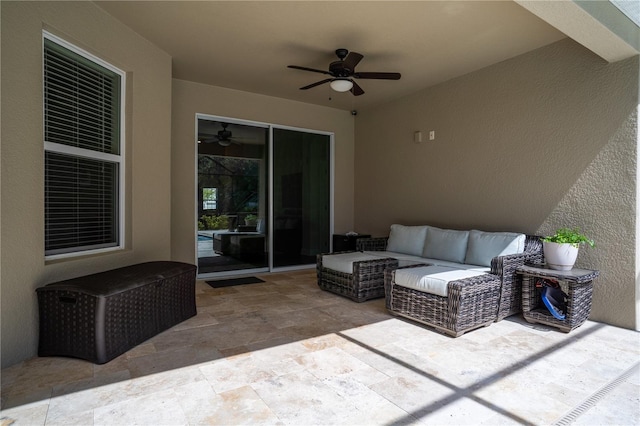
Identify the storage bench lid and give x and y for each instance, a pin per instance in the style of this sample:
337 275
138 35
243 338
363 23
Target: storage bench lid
122 279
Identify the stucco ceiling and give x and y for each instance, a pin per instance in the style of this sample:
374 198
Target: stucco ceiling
247 45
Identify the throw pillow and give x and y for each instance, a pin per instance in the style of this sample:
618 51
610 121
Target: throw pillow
407 239
484 246
446 244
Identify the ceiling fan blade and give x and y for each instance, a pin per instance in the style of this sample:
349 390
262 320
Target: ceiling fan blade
317 83
356 90
378 75
295 67
352 59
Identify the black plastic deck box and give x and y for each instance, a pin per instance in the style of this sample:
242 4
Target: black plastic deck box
99 317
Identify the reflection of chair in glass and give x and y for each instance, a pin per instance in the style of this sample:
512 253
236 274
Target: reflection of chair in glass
247 246
220 243
241 245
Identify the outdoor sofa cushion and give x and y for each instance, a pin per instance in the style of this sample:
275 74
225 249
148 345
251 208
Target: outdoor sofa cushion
343 262
432 279
484 246
407 239
445 244
407 260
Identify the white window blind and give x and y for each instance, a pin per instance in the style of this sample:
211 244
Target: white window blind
83 161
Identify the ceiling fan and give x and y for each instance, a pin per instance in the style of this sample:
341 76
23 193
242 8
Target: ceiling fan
224 137
343 71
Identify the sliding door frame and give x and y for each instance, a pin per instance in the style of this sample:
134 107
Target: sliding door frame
270 185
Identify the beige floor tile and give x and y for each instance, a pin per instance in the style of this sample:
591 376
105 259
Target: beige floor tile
415 393
235 372
157 408
301 399
79 418
460 411
33 413
285 352
241 406
369 406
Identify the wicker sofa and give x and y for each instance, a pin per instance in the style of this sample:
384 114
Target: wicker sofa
480 266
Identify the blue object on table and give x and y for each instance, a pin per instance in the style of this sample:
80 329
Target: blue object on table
555 301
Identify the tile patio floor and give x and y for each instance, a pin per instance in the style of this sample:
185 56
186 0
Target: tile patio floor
284 352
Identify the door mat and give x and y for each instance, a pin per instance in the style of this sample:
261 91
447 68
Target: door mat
234 281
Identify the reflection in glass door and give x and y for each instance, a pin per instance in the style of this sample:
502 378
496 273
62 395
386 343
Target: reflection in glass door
232 196
301 196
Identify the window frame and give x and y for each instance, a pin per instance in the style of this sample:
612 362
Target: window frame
206 200
68 150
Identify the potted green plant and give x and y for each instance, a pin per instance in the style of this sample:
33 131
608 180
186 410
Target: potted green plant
251 220
561 248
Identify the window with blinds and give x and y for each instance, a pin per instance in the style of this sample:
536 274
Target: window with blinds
83 161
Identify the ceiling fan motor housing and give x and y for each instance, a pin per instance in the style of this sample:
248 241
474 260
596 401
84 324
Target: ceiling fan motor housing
337 69
224 134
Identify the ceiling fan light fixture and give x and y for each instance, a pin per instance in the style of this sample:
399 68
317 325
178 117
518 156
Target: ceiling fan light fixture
341 85
224 143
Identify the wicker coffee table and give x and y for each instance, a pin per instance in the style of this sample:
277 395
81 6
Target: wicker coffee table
577 283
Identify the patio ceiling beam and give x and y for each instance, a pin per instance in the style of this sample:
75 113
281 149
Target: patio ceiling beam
590 23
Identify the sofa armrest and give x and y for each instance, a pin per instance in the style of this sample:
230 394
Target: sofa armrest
371 244
505 267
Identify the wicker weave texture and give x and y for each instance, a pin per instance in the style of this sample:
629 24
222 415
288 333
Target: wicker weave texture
371 244
470 303
123 326
505 267
67 324
510 297
366 282
100 327
578 306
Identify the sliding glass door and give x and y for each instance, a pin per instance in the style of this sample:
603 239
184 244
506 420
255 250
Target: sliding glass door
301 196
232 198
263 196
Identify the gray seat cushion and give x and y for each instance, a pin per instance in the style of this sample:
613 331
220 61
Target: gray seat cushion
432 279
343 262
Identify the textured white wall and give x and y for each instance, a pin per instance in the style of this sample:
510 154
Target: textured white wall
22 264
544 140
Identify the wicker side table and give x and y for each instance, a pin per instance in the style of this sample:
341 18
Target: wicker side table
577 283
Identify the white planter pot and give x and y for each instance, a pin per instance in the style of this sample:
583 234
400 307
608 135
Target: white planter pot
560 257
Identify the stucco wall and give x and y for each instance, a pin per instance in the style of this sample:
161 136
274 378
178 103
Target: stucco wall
191 98
22 265
544 140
